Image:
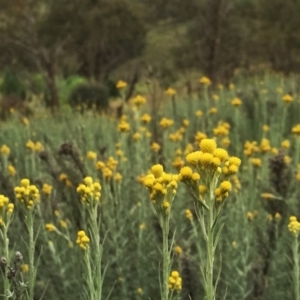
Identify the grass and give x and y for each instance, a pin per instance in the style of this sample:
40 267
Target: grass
255 246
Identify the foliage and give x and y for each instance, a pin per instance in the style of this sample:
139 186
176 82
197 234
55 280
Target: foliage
89 96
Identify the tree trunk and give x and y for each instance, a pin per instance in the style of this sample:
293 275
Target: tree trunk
48 66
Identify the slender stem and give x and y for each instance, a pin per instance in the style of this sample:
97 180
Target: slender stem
6 255
29 223
166 260
98 253
89 275
296 267
297 153
210 290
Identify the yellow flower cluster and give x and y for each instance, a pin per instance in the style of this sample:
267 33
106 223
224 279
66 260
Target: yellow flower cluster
162 188
265 146
50 227
138 100
294 226
89 191
5 150
210 163
250 148
177 136
178 162
123 126
296 130
256 162
155 147
222 129
199 136
175 281
188 214
146 118
287 98
91 155
205 80
286 144
11 170
170 92
107 168
28 195
82 240
64 178
236 102
121 84
47 189
6 209
166 123
36 147
199 113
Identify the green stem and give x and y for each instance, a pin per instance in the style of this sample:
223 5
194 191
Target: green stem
210 289
166 260
297 151
29 223
98 253
296 267
6 255
236 133
90 280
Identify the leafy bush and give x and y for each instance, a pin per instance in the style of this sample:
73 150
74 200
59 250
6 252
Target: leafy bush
87 96
11 85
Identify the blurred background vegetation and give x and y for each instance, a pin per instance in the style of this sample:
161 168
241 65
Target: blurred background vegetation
52 47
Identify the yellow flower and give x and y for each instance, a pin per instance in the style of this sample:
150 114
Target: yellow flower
50 227
155 147
28 195
287 98
47 189
296 130
24 268
5 150
205 80
236 102
91 155
199 113
294 226
121 84
225 186
170 92
118 177
188 214
146 118
136 137
123 126
89 191
178 250
82 240
25 121
186 173
63 224
256 162
11 170
139 291
139 100
265 128
213 110
285 144
267 196
208 145
165 123
175 281
221 153
157 170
